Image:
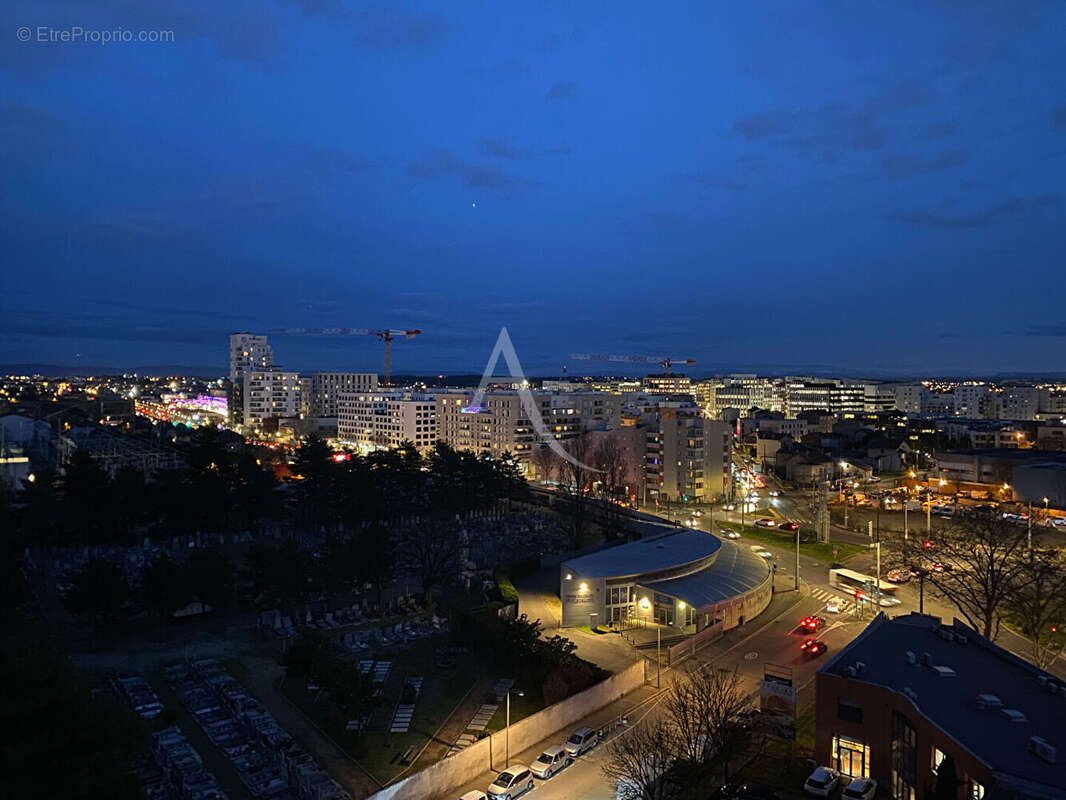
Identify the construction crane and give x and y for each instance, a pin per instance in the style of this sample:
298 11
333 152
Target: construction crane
664 362
385 336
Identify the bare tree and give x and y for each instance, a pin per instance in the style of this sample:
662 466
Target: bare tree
1038 605
704 705
575 484
544 463
610 458
978 563
639 758
432 550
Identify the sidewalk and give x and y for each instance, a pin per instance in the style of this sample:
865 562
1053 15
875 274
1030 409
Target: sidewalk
633 706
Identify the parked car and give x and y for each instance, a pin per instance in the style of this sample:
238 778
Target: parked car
580 741
860 789
822 782
511 783
765 522
475 795
788 525
814 647
550 761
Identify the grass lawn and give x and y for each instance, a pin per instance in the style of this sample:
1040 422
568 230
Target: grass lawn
816 550
379 751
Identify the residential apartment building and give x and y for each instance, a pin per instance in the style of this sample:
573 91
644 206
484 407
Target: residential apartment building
910 397
384 419
878 397
687 456
502 425
249 352
909 692
269 394
322 390
970 400
1020 402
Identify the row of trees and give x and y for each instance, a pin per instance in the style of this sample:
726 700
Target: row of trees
311 658
100 594
988 568
227 485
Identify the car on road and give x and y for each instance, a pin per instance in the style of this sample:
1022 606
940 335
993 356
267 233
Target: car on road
897 576
822 782
813 647
550 761
759 550
860 789
775 493
729 507
475 795
1057 522
511 783
765 522
887 601
940 566
812 623
832 606
580 741
730 534
788 525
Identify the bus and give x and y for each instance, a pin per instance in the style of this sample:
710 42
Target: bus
857 584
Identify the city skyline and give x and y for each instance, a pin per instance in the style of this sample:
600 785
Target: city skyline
833 191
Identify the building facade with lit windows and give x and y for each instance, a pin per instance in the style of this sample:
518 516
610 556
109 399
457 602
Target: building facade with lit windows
322 390
687 456
909 692
269 394
686 579
500 424
386 419
249 352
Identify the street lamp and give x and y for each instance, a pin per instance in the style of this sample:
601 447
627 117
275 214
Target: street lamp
507 728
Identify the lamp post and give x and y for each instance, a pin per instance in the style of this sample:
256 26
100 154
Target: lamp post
507 729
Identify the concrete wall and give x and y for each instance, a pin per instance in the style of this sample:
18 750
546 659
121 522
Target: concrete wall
440 779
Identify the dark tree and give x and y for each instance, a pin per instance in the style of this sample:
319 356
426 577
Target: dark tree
210 577
947 781
99 593
57 740
1038 605
163 588
278 573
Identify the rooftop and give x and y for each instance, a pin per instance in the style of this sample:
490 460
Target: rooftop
946 691
663 551
733 573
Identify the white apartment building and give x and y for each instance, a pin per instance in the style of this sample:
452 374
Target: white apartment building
1020 402
970 400
248 352
322 390
911 398
269 394
877 397
384 419
501 425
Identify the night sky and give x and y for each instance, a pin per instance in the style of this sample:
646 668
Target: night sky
871 187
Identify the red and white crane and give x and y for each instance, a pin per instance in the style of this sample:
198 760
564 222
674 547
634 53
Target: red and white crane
664 361
387 336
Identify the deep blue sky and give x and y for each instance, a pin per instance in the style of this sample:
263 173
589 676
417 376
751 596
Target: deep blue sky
871 187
